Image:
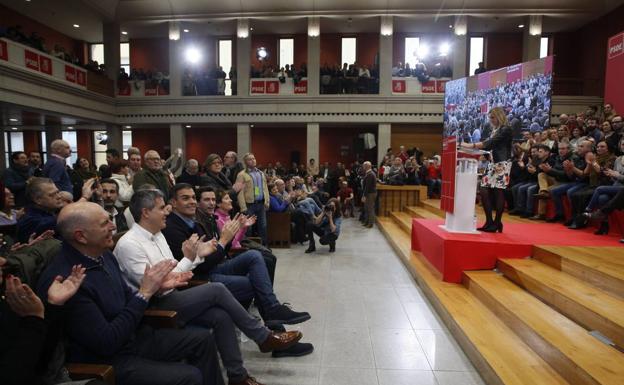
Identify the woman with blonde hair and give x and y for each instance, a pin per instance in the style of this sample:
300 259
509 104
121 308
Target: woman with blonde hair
496 178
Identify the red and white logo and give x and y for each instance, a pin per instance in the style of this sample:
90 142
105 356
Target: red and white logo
440 86
257 86
301 87
45 65
70 74
616 46
31 60
151 91
272 87
398 86
81 78
429 87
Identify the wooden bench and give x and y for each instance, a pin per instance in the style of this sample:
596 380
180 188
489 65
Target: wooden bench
278 229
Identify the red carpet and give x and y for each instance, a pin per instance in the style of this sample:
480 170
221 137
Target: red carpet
452 253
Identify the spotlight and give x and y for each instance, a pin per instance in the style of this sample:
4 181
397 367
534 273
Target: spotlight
128 127
423 51
124 32
444 49
76 26
13 128
188 126
192 55
70 128
521 26
262 53
186 30
12 120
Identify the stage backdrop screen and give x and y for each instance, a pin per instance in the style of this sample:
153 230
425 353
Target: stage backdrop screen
523 90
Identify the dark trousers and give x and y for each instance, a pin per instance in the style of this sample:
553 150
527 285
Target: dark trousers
325 239
369 208
247 277
616 203
213 306
299 220
579 200
259 211
157 355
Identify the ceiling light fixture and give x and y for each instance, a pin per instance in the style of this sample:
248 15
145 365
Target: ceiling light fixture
386 27
76 26
521 26
188 126
451 26
242 30
128 127
124 32
13 120
70 128
535 25
314 26
461 25
13 128
174 30
186 30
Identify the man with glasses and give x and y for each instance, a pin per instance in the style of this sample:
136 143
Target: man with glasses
152 174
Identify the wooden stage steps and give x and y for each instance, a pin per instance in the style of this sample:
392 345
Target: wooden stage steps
530 322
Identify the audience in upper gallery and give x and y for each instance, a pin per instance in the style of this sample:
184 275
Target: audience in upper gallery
206 81
349 79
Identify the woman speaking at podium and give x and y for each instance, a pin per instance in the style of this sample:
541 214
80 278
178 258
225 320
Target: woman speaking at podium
496 178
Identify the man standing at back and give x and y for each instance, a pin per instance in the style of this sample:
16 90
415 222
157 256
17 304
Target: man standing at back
152 174
253 198
369 194
231 166
55 167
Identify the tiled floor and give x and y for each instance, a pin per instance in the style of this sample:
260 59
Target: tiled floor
371 324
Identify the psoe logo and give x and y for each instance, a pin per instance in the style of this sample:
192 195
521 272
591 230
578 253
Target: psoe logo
616 46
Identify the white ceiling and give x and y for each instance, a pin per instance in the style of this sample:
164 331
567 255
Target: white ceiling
147 18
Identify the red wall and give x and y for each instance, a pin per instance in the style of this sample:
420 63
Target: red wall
149 54
301 50
502 50
367 48
201 141
152 139
330 49
275 143
32 141
580 56
332 139
9 18
84 139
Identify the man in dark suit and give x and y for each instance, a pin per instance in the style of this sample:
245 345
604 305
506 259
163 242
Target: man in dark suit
55 167
231 166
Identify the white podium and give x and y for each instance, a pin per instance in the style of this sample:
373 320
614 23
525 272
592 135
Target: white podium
462 220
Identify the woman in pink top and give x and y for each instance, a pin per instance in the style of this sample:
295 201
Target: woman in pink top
224 206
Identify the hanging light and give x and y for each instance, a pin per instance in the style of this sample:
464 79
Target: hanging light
314 26
461 25
174 30
386 27
243 28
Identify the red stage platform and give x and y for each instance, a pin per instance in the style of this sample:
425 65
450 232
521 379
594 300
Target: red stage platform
452 253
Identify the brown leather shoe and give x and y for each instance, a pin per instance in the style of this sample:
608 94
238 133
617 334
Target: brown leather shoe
247 381
280 341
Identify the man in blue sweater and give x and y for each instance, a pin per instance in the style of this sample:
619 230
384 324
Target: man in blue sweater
103 320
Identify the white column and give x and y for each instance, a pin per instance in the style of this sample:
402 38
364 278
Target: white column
460 56
384 133
243 139
111 32
176 66
114 139
177 138
243 63
314 60
312 142
531 43
385 63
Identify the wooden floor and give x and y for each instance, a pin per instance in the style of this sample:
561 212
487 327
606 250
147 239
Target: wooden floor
557 318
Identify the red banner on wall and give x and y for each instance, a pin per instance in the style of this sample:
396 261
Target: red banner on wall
81 78
440 86
4 50
514 73
429 87
31 60
70 74
151 90
614 76
449 162
301 87
398 86
272 87
257 86
45 65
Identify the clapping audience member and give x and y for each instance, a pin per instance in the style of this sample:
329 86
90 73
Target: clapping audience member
153 174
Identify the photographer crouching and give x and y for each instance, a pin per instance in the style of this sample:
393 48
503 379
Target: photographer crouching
326 225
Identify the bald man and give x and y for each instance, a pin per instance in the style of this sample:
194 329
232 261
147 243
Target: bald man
369 194
103 320
55 167
153 174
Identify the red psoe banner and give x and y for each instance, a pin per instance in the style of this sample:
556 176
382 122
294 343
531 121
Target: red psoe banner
429 87
257 86
614 76
398 86
70 74
440 86
81 78
45 65
31 60
301 87
4 51
449 162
